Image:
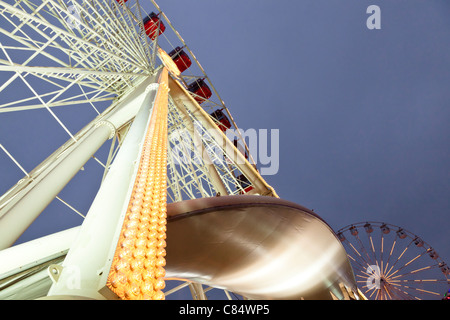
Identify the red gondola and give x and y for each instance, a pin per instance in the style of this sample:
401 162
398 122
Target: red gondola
180 58
201 89
245 184
224 124
151 24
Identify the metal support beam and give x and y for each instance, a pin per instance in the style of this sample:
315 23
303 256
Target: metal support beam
91 252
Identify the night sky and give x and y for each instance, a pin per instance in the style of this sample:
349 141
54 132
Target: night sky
363 115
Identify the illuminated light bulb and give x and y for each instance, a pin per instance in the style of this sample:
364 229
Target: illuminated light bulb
151 252
125 253
159 284
150 262
161 252
144 223
135 276
121 266
161 236
135 209
139 253
127 243
147 286
137 201
137 264
141 178
145 219
138 190
142 235
160 262
163 215
151 242
132 215
131 224
140 243
132 292
148 197
154 219
160 272
130 233
158 295
147 204
161 228
153 234
118 279
116 286
148 274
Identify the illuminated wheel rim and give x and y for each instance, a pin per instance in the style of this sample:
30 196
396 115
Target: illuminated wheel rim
391 263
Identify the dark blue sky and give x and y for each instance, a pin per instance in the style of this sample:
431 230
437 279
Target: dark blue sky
363 114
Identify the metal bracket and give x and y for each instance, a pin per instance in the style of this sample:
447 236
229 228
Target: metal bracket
111 127
54 271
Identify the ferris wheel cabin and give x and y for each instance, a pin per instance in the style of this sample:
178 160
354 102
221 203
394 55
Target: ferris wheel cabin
245 184
152 24
201 90
224 123
180 58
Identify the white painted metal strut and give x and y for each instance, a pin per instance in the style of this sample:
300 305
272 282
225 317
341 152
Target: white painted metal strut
92 251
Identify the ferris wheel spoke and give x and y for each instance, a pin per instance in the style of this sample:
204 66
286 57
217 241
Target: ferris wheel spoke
390 275
372 247
420 281
363 249
126 30
413 289
361 261
398 258
381 251
390 255
357 260
400 293
412 272
91 97
49 110
82 45
369 291
149 46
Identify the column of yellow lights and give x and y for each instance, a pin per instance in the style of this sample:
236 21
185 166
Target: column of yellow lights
137 271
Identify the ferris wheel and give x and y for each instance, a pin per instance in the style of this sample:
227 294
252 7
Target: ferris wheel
391 263
74 71
104 98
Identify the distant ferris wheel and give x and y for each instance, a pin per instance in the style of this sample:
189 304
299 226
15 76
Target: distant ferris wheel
391 263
